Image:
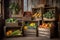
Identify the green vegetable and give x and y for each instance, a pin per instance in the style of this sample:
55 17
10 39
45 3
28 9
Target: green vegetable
48 15
14 7
11 20
17 32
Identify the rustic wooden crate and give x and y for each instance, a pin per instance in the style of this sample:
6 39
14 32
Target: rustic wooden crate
6 28
11 24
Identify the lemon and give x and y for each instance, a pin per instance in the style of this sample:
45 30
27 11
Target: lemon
32 24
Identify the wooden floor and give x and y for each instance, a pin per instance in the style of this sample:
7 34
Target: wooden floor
29 38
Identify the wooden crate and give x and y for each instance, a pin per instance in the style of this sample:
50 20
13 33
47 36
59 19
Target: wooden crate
11 24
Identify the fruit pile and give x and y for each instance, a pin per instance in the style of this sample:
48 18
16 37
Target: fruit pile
13 33
30 26
37 15
49 15
46 25
11 20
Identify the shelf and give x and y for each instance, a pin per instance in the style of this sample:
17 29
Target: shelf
37 19
26 18
39 6
33 20
16 16
45 19
50 7
12 26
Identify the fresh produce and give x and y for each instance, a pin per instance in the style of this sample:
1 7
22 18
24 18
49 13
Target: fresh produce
11 20
32 24
9 32
37 15
13 33
46 25
49 15
14 7
25 27
17 32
